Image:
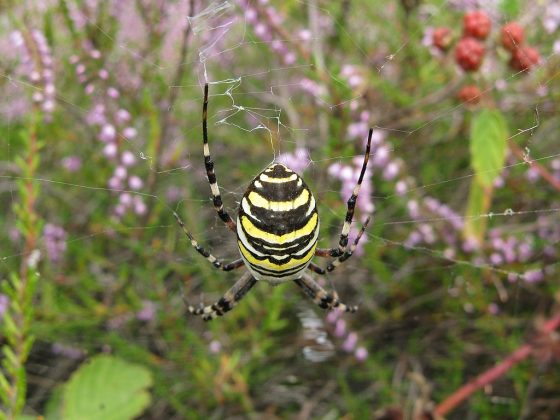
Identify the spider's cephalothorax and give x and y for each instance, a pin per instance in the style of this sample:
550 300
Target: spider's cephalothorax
277 229
277 225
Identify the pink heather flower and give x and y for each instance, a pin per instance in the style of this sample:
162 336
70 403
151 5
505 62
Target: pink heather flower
128 158
148 311
96 116
37 63
251 16
123 116
350 343
135 182
551 17
89 89
108 133
357 130
391 171
113 93
71 163
340 328
114 183
139 206
110 150
120 172
54 238
120 210
380 156
4 302
215 347
532 175
297 161
129 132
48 106
80 69
496 259
261 30
413 209
333 315
493 309
312 87
401 188
533 276
414 238
125 199
305 35
525 251
361 354
289 58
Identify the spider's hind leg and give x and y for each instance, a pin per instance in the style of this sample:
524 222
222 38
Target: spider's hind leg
227 301
320 296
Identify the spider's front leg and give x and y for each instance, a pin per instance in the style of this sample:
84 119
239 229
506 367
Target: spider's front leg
351 206
320 296
227 301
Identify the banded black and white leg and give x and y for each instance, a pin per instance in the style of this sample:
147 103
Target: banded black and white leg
211 258
351 205
227 301
210 172
320 296
341 259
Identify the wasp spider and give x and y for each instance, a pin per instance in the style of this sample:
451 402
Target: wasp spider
277 229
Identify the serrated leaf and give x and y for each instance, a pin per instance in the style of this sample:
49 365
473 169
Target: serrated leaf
488 144
106 388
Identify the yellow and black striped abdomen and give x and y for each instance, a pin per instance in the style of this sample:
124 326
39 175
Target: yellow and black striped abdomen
277 225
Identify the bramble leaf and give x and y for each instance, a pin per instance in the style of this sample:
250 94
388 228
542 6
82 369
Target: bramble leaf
107 388
488 144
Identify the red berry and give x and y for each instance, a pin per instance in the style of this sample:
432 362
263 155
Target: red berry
476 24
469 54
470 94
442 38
512 36
524 58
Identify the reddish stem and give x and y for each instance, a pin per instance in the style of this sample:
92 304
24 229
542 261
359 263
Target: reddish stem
493 373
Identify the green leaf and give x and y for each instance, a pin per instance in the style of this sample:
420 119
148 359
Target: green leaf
477 208
509 8
107 388
489 135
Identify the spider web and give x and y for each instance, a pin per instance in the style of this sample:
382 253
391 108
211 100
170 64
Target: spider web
254 117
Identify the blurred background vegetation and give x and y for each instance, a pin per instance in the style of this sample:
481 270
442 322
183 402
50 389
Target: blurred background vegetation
100 129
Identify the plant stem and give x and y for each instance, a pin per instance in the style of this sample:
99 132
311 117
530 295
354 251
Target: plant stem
494 373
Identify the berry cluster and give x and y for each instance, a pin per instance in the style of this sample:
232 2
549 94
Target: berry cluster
470 49
523 57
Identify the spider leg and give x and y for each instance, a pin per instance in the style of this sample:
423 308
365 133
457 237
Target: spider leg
347 254
227 301
351 205
215 262
320 296
210 173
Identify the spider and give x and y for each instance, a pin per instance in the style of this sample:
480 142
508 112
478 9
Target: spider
277 229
